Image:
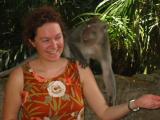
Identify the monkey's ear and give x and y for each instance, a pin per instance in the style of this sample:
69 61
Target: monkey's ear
104 28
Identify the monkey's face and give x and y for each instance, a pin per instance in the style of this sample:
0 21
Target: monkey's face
94 34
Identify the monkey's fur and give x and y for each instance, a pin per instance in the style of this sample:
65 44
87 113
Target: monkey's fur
90 40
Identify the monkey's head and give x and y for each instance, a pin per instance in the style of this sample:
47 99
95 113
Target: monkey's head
94 32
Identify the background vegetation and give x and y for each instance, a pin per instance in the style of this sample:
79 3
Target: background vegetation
134 30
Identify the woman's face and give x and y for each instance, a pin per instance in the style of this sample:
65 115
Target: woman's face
49 41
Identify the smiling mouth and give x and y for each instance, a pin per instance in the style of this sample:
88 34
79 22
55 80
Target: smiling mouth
54 52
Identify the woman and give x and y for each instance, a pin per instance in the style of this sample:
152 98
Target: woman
52 87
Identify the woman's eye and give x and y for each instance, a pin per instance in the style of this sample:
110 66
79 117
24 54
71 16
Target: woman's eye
58 37
45 40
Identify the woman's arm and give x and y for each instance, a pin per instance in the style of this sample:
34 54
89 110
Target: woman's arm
12 98
97 102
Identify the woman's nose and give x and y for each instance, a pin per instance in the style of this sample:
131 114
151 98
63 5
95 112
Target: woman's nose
53 43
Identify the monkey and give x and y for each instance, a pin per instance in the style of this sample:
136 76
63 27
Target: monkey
90 41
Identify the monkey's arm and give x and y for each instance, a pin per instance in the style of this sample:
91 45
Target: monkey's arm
109 81
108 74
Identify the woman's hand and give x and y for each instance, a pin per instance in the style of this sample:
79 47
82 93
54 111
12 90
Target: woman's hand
148 101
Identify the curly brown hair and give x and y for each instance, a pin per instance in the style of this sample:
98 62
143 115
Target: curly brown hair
37 18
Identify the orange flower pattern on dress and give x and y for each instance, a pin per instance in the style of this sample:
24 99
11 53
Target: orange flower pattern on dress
59 98
35 118
37 77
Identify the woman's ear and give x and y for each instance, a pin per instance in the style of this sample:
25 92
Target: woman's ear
32 43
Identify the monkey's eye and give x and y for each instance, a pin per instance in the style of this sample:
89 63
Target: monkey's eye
93 34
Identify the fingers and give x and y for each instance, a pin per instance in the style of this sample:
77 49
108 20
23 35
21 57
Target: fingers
151 96
155 105
153 101
156 97
156 100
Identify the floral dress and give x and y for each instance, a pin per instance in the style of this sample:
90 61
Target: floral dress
59 98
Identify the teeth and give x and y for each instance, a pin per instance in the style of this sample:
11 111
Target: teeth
52 52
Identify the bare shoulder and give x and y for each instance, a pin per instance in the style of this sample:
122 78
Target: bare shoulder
17 72
16 78
85 73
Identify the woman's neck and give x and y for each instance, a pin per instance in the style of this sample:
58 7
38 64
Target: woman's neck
45 65
49 69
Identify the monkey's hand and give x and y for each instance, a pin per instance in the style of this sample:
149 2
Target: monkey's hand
83 63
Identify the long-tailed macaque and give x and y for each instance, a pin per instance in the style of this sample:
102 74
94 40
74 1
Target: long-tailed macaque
90 41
